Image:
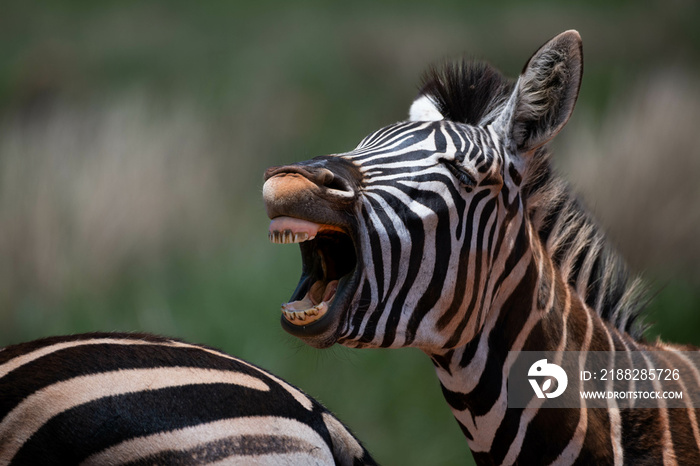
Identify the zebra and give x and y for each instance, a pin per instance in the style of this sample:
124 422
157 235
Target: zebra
130 399
451 232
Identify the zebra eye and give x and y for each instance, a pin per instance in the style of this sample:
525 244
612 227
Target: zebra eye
465 178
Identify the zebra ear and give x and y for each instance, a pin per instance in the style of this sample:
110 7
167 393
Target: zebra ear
424 109
545 93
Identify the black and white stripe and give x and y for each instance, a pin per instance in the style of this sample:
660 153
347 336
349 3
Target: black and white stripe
468 246
108 399
416 241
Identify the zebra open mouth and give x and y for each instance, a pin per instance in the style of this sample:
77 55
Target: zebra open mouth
328 261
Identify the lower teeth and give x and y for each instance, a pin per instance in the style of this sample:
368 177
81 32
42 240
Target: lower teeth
306 316
313 306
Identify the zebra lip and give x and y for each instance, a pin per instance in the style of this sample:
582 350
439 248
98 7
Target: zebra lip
285 230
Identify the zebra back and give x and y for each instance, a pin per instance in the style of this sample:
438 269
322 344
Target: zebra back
108 398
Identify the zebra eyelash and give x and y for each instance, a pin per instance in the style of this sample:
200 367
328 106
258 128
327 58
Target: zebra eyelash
464 178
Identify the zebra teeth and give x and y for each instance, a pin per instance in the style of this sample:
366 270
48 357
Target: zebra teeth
289 230
305 316
313 305
288 237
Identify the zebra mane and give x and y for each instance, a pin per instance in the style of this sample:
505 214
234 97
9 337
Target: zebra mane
474 93
580 249
467 91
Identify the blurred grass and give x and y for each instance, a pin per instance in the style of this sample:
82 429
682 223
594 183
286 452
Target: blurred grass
133 137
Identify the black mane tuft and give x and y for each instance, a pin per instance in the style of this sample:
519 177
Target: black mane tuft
467 91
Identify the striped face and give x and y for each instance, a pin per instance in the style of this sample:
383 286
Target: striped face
395 236
406 240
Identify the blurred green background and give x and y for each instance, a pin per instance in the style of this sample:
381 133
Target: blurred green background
134 135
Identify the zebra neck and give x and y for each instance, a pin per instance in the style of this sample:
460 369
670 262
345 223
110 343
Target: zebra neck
474 376
535 309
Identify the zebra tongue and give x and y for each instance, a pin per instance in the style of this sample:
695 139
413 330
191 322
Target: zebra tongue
322 291
331 288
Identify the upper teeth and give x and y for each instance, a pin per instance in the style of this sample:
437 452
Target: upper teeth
285 230
288 236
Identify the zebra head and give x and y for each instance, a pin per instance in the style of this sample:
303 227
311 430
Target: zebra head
406 239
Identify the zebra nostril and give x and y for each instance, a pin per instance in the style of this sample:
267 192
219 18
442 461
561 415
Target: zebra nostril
333 182
324 177
337 184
